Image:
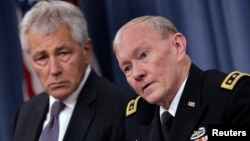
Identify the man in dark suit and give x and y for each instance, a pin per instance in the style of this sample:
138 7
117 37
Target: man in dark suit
152 54
55 36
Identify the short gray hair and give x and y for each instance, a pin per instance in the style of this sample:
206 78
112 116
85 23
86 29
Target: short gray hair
45 17
160 24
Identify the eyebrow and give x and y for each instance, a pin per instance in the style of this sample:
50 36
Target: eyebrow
140 47
56 49
134 53
61 47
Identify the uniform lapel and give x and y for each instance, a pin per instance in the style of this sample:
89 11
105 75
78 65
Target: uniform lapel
156 128
188 113
185 124
182 128
153 131
190 110
150 133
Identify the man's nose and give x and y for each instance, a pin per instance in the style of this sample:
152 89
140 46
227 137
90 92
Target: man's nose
55 67
138 72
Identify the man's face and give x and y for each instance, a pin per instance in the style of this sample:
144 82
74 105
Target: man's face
58 60
149 62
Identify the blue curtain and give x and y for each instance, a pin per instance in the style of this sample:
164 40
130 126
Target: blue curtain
217 31
10 68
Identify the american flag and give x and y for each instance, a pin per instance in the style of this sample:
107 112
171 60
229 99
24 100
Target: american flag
31 83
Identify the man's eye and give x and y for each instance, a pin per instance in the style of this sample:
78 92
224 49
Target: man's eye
143 55
127 69
64 53
41 60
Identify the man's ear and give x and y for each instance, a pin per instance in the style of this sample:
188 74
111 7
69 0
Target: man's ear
180 44
87 50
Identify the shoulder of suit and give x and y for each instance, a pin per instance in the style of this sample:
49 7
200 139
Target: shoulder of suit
232 78
132 106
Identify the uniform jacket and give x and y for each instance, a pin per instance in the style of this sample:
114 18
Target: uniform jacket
204 103
98 115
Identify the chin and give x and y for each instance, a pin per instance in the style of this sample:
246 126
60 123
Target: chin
151 99
60 94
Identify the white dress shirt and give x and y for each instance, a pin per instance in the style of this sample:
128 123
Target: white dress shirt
70 103
173 106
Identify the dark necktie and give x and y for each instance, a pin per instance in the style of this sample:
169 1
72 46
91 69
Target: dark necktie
51 131
166 124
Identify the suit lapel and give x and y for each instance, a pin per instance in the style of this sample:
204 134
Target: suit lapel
37 117
84 111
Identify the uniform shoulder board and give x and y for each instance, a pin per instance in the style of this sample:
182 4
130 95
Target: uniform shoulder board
231 79
132 106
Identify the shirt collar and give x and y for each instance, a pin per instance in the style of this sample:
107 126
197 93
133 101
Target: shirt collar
173 106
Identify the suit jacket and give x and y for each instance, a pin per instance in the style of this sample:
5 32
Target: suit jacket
98 114
203 104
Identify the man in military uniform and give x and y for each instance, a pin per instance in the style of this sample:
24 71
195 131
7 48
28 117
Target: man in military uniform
152 54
